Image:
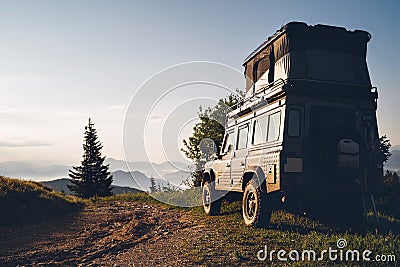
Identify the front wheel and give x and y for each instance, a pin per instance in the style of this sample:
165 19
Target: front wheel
211 199
256 211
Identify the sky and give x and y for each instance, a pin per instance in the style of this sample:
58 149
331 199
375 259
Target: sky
65 61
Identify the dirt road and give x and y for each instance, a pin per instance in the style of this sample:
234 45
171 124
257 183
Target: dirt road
105 234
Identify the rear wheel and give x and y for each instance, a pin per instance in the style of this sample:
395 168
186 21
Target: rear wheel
256 211
346 211
211 199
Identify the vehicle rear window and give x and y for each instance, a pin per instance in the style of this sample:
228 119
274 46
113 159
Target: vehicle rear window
324 117
294 123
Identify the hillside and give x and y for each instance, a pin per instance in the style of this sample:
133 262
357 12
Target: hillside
27 201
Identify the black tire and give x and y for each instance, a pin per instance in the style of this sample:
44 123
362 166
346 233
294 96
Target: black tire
345 212
255 206
211 199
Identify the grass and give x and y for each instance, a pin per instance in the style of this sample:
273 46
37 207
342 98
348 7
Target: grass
27 201
231 243
176 199
185 198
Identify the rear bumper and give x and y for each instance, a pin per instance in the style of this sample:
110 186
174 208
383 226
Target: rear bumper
322 189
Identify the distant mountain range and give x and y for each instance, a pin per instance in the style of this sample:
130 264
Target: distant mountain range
62 186
33 170
174 172
393 163
136 180
396 147
123 182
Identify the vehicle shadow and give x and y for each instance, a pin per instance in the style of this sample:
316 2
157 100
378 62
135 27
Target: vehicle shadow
292 220
304 224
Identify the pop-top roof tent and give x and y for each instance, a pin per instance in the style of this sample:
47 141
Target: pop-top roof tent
299 51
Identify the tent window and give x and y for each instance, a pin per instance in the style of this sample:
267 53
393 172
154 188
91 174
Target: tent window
271 60
255 71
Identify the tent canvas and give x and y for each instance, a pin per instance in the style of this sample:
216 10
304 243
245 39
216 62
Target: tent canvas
299 51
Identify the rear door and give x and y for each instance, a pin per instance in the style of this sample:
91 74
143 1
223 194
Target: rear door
327 124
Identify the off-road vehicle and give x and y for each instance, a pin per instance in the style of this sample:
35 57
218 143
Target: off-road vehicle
306 132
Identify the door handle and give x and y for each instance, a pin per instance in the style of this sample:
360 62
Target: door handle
242 164
228 165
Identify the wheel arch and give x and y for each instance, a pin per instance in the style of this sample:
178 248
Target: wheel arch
208 175
254 173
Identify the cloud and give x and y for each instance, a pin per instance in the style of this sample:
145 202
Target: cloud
4 109
13 77
32 143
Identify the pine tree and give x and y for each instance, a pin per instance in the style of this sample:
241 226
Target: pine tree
153 187
92 177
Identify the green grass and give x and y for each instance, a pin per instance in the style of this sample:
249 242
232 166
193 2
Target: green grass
27 201
185 198
231 243
176 199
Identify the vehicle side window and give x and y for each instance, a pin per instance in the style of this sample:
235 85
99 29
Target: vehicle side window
227 143
294 123
260 131
242 137
274 123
